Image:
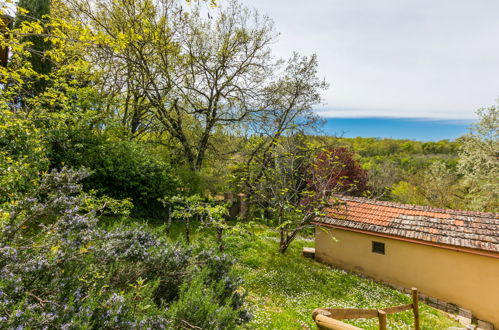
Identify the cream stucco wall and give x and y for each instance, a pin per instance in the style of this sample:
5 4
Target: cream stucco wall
468 280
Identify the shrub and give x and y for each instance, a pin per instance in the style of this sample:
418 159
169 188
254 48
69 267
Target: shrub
123 169
119 168
60 269
22 156
199 305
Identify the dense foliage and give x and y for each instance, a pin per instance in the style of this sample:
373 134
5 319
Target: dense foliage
449 174
346 176
22 156
120 168
60 269
479 161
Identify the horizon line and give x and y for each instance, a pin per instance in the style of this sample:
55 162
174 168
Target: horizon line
421 119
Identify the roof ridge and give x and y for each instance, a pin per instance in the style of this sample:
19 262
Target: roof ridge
418 207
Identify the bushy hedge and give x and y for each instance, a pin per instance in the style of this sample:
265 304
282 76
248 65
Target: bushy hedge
123 169
60 269
120 168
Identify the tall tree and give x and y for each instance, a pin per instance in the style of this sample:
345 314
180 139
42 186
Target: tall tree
31 11
200 74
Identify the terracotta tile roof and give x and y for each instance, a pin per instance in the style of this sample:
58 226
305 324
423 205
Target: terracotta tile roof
476 230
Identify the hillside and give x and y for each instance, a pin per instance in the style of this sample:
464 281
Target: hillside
284 289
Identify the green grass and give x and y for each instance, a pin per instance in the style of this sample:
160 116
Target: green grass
283 290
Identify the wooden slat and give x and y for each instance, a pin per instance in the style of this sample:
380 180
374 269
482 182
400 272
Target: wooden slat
328 318
355 313
324 322
397 309
351 313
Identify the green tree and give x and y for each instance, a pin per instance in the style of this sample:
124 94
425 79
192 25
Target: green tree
479 161
211 214
436 185
382 176
199 76
292 186
440 186
30 11
405 192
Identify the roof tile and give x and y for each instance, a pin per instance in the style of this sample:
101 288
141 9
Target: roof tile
477 230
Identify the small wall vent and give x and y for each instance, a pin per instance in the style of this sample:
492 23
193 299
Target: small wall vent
378 247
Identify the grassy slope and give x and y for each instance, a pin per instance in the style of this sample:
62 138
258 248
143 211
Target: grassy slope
284 289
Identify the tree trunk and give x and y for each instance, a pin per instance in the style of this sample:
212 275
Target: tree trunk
203 144
282 241
221 246
284 244
169 223
187 231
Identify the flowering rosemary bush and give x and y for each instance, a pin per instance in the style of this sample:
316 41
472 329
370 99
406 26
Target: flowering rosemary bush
60 269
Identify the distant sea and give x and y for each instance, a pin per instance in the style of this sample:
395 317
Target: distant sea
420 129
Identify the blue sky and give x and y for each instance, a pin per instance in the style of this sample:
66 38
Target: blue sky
433 59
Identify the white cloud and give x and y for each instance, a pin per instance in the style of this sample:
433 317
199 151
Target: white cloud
400 58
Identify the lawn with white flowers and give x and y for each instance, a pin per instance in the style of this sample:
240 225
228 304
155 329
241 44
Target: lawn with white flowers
284 289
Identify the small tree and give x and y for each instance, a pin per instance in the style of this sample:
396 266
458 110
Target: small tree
183 209
210 214
342 170
215 216
291 189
